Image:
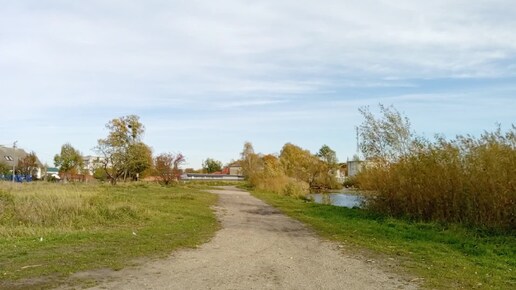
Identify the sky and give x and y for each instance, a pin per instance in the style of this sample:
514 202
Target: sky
207 76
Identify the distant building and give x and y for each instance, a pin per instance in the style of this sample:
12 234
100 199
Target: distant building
340 172
91 163
231 172
235 168
10 157
354 167
200 176
53 172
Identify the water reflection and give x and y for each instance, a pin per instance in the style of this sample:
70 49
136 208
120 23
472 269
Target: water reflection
338 199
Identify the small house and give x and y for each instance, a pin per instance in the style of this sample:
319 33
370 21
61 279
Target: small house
235 168
9 157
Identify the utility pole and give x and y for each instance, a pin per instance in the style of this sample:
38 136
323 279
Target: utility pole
14 159
358 144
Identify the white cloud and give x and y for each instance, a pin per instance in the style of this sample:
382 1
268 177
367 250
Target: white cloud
75 63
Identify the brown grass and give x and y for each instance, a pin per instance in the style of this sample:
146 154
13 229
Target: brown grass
467 180
40 206
282 184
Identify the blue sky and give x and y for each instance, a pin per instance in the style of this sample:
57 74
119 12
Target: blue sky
206 76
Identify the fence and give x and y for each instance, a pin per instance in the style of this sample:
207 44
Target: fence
17 177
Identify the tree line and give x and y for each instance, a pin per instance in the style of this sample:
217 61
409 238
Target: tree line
295 171
122 155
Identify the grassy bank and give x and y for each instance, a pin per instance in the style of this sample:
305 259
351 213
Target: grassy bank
445 257
48 231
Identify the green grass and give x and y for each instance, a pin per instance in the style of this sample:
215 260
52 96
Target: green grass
450 257
49 231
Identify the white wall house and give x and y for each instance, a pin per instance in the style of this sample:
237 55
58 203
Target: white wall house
91 163
354 167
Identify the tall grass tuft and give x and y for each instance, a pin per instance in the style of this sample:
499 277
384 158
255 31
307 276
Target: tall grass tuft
26 208
467 180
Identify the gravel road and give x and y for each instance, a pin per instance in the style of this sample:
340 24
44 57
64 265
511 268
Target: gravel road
257 248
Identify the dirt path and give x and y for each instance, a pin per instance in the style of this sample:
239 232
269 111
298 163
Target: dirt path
257 248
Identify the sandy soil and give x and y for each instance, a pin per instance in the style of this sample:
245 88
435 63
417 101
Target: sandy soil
257 248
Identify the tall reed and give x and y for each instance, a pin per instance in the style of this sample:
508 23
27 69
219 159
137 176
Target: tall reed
467 180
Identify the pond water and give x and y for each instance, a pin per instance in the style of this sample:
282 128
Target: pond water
344 198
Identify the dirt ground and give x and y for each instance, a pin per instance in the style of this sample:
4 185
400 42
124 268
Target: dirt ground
257 248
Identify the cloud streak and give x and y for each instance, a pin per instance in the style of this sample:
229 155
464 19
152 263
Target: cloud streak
285 65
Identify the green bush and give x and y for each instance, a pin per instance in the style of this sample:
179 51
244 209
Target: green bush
100 174
296 188
350 182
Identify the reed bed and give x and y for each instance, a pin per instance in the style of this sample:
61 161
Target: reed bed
467 180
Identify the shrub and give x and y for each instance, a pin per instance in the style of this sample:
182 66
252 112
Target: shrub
273 183
350 182
284 185
467 180
295 172
100 174
296 188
